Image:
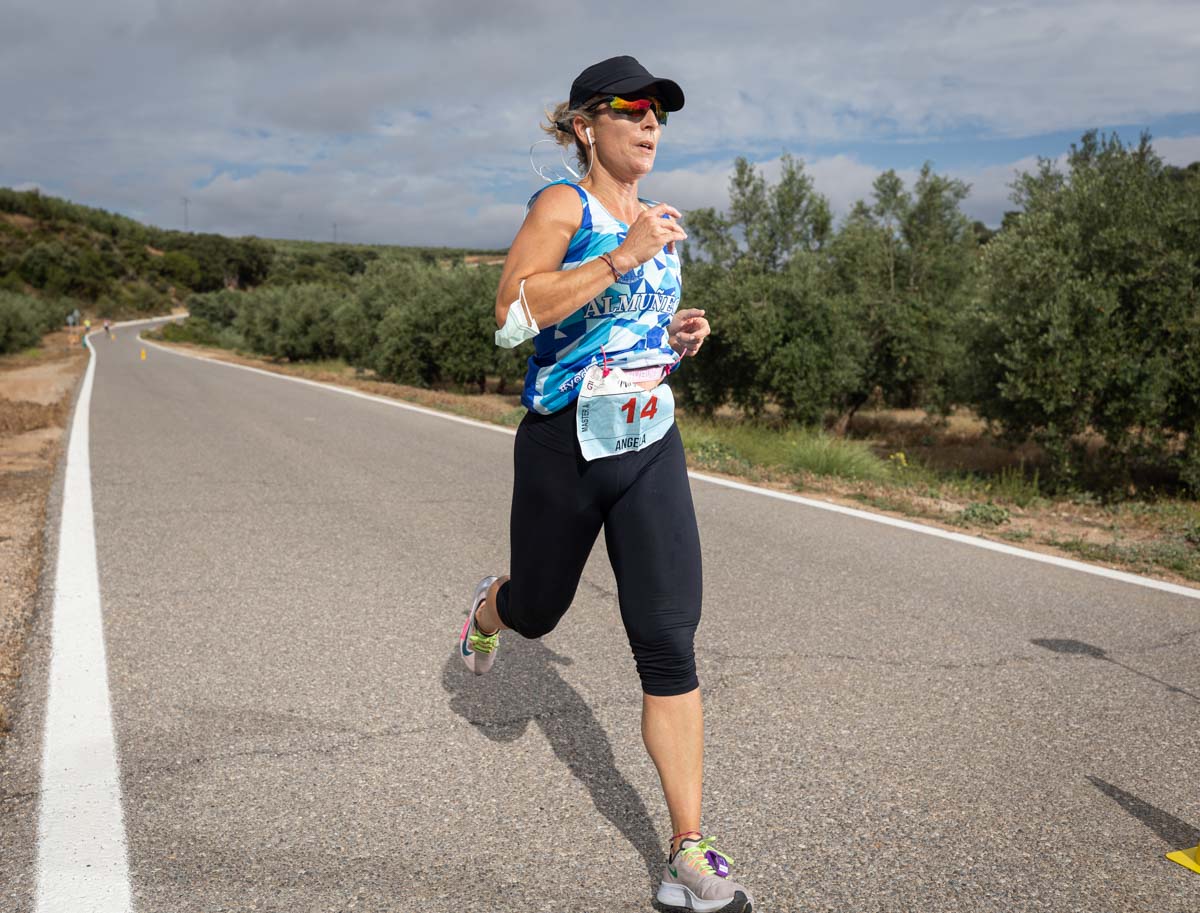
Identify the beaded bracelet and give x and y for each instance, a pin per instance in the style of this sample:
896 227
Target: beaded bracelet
607 258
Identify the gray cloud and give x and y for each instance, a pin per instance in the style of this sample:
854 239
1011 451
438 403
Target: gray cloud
268 114
238 28
23 27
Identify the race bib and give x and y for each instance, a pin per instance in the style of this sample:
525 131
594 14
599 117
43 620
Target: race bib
615 415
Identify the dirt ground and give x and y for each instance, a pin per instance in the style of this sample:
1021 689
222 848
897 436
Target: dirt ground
36 389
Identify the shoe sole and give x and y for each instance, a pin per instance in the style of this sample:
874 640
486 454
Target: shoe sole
679 897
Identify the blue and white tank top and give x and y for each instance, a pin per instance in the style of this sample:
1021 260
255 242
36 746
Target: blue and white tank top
629 319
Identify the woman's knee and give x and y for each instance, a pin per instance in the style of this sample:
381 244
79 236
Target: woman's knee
667 664
533 628
527 614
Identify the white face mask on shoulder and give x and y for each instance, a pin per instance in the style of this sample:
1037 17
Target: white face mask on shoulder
519 325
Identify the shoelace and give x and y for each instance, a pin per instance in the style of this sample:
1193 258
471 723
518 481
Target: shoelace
482 643
696 855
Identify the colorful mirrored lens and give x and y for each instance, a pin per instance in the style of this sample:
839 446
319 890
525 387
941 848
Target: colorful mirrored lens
638 106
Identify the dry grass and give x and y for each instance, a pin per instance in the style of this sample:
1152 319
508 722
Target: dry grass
960 444
26 223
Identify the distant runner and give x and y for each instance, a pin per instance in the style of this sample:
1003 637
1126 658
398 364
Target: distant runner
593 278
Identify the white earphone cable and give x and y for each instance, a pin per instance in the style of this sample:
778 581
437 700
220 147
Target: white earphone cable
562 151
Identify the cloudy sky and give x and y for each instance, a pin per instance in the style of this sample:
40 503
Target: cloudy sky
410 122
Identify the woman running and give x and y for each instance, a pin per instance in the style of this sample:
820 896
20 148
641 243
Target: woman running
593 278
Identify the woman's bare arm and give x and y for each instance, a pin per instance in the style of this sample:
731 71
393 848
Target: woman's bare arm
538 250
536 255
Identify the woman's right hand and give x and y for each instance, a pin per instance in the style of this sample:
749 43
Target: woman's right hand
649 234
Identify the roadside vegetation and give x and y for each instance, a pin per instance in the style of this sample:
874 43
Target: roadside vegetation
1039 383
57 256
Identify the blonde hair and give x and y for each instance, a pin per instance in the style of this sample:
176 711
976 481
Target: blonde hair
559 125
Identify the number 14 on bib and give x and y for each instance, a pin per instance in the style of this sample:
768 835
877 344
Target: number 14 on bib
616 416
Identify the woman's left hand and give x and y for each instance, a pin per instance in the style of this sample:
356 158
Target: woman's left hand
687 331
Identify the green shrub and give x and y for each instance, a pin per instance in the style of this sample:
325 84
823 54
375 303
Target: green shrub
200 331
350 260
306 327
436 325
178 267
775 338
294 323
816 321
1091 316
466 346
354 333
20 323
903 264
23 319
217 308
91 275
46 264
106 307
1191 534
989 514
221 261
257 320
140 299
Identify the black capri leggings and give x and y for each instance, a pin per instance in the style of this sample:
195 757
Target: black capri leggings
643 501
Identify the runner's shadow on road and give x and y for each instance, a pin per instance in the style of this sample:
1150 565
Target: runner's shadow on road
523 687
1081 648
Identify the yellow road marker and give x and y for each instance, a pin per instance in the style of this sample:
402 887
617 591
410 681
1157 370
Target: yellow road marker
143 354
1189 859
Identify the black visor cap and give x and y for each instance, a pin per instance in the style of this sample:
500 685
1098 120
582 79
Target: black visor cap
624 76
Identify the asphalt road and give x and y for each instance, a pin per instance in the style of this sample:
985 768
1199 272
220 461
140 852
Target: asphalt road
895 722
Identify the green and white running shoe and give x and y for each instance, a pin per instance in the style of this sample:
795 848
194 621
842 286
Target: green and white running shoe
478 651
697 878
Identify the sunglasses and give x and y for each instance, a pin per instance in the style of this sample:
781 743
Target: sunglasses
636 107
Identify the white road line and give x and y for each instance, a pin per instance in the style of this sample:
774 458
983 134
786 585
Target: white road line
82 863
1095 570
958 537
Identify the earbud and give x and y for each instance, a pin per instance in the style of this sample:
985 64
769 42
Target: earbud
591 139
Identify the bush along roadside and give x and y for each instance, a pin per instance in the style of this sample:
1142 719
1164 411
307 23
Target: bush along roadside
403 320
24 319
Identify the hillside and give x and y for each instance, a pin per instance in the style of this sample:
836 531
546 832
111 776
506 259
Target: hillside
113 266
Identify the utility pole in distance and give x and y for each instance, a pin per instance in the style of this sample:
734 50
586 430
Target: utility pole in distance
185 213
335 232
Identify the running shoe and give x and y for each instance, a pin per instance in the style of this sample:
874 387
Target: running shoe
477 650
697 878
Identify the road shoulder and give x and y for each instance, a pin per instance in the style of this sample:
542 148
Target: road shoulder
37 390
